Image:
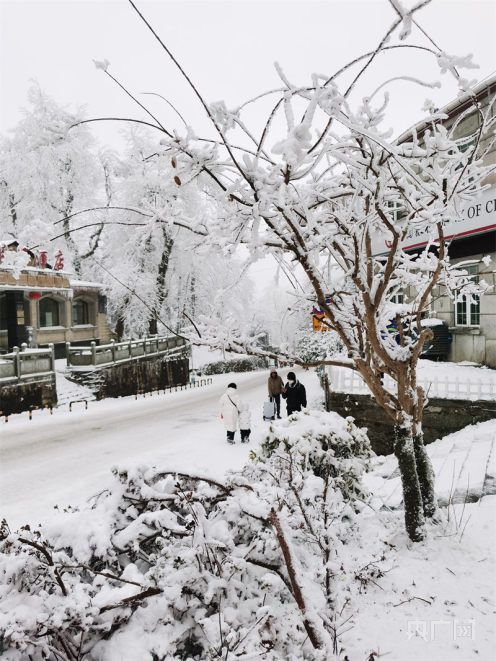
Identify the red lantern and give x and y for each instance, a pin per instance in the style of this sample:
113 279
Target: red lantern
59 261
34 295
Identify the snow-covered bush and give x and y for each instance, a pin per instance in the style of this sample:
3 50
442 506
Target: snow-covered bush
234 365
175 566
314 346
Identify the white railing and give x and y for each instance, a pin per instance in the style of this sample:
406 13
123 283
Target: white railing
25 363
115 352
443 386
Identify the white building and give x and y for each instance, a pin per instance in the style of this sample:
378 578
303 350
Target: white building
472 236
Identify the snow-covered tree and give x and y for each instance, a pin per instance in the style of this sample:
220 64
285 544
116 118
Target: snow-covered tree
47 171
321 198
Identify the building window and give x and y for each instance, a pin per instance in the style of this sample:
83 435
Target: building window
102 304
49 313
398 299
80 313
467 126
3 313
397 211
467 307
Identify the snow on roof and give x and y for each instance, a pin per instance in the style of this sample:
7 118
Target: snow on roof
427 323
449 107
87 284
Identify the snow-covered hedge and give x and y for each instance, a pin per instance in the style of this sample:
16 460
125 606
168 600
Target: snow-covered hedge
174 566
313 346
234 365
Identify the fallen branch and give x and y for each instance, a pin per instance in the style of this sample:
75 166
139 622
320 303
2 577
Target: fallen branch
149 592
406 601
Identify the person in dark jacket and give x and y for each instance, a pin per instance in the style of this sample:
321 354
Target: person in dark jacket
295 394
275 386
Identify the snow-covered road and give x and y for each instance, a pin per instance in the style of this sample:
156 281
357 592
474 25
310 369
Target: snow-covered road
66 458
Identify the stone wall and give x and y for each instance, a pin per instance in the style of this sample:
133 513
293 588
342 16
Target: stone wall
36 279
441 417
135 376
16 397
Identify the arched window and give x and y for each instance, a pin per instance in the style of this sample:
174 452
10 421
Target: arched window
49 313
80 313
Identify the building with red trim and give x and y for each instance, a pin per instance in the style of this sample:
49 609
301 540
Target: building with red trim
473 241
41 304
471 236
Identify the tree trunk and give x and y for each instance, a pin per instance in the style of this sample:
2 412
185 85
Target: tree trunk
161 291
425 474
120 324
412 495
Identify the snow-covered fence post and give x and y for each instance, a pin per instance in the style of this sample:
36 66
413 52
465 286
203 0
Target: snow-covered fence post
327 392
68 353
93 352
52 356
17 363
112 349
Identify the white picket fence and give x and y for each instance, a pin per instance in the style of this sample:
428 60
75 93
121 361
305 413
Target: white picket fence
444 386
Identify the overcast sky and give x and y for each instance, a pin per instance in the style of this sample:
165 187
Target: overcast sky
228 48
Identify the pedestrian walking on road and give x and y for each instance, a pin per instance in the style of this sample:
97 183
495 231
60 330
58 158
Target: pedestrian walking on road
295 394
230 405
244 420
276 388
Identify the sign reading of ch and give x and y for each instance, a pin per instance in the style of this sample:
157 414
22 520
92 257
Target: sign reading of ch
477 217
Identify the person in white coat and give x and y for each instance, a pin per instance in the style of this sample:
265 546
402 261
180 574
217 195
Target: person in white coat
244 422
230 405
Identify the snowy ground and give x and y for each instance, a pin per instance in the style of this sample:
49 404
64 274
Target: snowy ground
203 355
67 390
434 600
63 458
464 463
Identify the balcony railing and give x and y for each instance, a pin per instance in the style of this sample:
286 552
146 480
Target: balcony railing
24 363
95 355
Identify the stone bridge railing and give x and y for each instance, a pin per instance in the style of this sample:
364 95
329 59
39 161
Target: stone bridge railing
103 355
25 364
